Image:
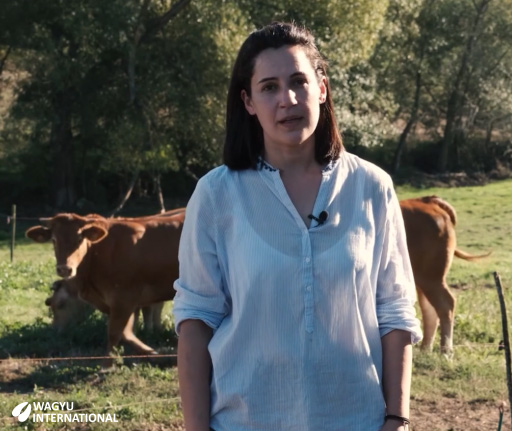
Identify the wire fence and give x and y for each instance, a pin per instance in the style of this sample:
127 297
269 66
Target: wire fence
83 358
491 346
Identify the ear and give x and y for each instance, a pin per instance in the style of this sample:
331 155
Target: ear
39 234
323 89
48 301
93 232
247 102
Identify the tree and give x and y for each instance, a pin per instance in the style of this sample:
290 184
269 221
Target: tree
437 63
456 94
120 88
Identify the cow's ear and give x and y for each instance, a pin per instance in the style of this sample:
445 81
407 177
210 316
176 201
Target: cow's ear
48 301
93 233
39 234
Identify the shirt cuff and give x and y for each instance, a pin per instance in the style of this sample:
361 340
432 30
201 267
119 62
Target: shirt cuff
399 314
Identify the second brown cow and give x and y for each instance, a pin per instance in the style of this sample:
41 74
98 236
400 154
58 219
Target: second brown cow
431 241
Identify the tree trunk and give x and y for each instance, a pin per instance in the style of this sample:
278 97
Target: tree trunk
127 195
61 141
490 153
412 119
160 195
155 25
454 101
4 59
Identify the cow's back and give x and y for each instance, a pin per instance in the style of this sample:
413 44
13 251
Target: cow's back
430 237
137 260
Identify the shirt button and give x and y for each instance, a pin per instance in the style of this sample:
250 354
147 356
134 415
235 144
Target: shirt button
308 259
308 288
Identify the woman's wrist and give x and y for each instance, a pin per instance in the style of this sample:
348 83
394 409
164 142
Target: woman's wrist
402 420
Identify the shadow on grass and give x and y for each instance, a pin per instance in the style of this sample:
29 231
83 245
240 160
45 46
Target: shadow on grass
43 377
88 339
40 340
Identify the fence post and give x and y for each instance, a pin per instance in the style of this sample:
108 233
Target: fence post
13 234
506 340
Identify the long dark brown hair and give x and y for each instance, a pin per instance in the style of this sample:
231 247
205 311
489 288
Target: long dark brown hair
244 135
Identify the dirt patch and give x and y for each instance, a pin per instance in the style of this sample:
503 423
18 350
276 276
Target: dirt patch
11 370
446 414
449 414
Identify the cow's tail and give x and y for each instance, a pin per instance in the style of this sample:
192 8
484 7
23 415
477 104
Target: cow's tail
463 255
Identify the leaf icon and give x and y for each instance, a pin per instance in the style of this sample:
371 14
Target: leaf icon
22 417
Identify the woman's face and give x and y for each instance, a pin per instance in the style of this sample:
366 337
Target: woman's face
285 96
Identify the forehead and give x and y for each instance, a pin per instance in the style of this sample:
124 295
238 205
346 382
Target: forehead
66 224
283 61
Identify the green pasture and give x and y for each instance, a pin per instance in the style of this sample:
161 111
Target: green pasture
145 396
477 371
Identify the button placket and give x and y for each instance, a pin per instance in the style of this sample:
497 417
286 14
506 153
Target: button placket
308 283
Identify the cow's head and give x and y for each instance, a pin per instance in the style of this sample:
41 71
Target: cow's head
71 235
67 309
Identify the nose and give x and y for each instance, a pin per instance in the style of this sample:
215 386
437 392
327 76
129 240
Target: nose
288 97
64 271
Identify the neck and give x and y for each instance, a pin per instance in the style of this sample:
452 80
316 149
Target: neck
298 159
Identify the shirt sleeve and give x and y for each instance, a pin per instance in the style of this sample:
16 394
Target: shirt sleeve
199 292
396 291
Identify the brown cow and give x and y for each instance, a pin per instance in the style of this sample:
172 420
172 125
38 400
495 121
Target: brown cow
430 228
67 307
117 265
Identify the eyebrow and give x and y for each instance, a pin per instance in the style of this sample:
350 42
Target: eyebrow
272 78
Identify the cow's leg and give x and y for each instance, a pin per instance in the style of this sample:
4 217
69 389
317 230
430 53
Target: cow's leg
430 321
131 339
120 327
152 316
443 301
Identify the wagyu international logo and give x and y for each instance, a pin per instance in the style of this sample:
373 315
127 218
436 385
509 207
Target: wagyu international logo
58 412
21 414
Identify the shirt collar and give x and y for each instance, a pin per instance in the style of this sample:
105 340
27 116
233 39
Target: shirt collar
264 165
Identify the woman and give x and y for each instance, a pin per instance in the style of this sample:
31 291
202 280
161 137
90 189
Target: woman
294 305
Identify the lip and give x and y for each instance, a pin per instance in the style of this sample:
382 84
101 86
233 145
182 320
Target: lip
291 119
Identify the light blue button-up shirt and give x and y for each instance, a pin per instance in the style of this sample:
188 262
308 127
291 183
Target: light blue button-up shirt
298 313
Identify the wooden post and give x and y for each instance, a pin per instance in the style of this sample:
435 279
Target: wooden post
506 341
13 234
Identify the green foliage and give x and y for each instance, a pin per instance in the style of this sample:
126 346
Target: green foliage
456 54
105 95
93 93
346 31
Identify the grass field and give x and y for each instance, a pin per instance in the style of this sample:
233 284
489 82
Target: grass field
145 396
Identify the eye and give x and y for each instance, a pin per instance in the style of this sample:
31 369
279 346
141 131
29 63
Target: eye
269 87
300 81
